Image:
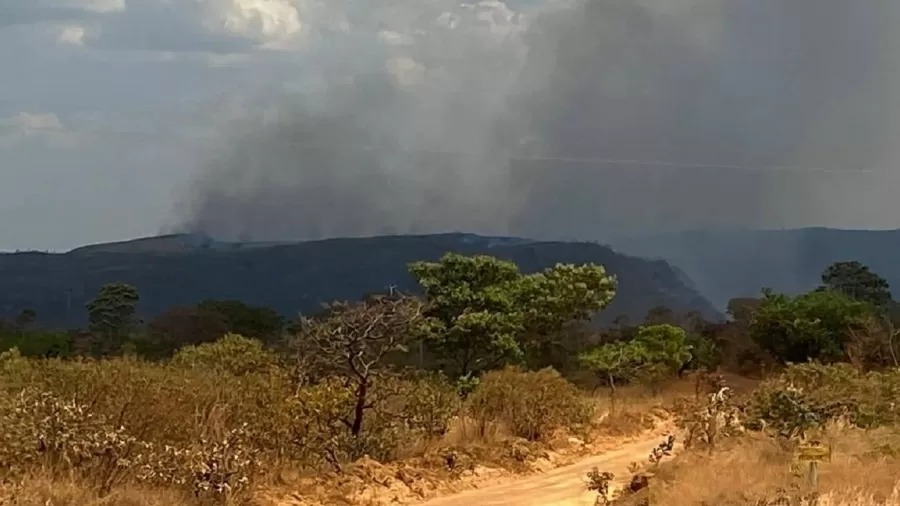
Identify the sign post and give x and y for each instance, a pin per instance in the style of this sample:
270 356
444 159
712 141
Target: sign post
813 452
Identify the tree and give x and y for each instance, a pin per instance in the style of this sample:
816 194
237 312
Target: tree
655 352
485 311
613 362
25 318
812 326
262 323
112 315
664 350
183 326
351 341
232 354
741 309
474 310
659 315
554 302
856 281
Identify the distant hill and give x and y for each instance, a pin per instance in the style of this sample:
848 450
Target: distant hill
297 277
732 263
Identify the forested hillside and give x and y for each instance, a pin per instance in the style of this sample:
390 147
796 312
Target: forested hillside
290 278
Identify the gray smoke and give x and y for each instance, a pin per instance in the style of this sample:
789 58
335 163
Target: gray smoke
518 118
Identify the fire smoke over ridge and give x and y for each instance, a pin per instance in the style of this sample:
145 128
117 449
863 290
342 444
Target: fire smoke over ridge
437 115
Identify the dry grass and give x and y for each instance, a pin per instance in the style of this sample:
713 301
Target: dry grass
49 491
96 431
756 470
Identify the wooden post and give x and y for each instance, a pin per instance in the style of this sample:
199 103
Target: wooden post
812 476
813 453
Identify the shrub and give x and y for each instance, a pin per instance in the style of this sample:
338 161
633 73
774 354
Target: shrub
807 396
530 404
40 429
320 416
811 326
233 354
426 404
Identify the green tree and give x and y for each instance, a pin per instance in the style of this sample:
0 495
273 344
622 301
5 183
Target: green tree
660 315
705 354
259 322
812 326
856 281
614 363
664 349
112 315
183 326
741 309
551 301
655 352
484 311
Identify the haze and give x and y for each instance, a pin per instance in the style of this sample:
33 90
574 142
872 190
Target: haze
301 119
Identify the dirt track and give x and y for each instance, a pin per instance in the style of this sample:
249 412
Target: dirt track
564 486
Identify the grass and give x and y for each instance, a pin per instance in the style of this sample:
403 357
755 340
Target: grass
128 432
203 432
756 470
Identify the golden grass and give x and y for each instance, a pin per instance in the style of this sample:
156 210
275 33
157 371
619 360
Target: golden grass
755 469
48 491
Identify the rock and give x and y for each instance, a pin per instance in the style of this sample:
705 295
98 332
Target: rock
639 482
574 441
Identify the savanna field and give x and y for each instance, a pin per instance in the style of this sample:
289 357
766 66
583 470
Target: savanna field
490 376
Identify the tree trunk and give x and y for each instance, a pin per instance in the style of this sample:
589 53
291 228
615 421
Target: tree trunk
612 394
360 409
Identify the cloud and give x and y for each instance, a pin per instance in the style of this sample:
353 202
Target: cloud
29 123
44 129
220 26
25 12
71 35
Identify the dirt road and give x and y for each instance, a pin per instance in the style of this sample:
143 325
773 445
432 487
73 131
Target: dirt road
564 486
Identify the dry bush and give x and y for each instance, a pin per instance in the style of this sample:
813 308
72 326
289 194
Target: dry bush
40 430
706 421
532 405
232 354
425 403
806 397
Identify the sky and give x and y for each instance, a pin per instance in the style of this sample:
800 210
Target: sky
302 119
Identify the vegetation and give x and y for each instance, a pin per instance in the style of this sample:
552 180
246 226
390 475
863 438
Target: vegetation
856 281
656 352
299 278
483 308
189 411
811 326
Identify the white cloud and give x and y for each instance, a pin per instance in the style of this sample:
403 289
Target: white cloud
72 35
29 123
265 21
406 71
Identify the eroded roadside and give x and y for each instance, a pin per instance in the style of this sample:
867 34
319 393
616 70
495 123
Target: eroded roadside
553 477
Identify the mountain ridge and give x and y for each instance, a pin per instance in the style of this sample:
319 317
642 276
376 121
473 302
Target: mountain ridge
292 277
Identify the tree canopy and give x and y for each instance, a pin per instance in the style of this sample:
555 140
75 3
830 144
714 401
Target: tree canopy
481 307
811 326
856 281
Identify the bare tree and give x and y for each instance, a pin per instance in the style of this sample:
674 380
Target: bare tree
353 342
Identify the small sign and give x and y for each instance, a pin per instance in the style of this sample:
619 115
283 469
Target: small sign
813 451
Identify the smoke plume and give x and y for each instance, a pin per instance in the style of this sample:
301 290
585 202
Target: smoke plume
568 119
